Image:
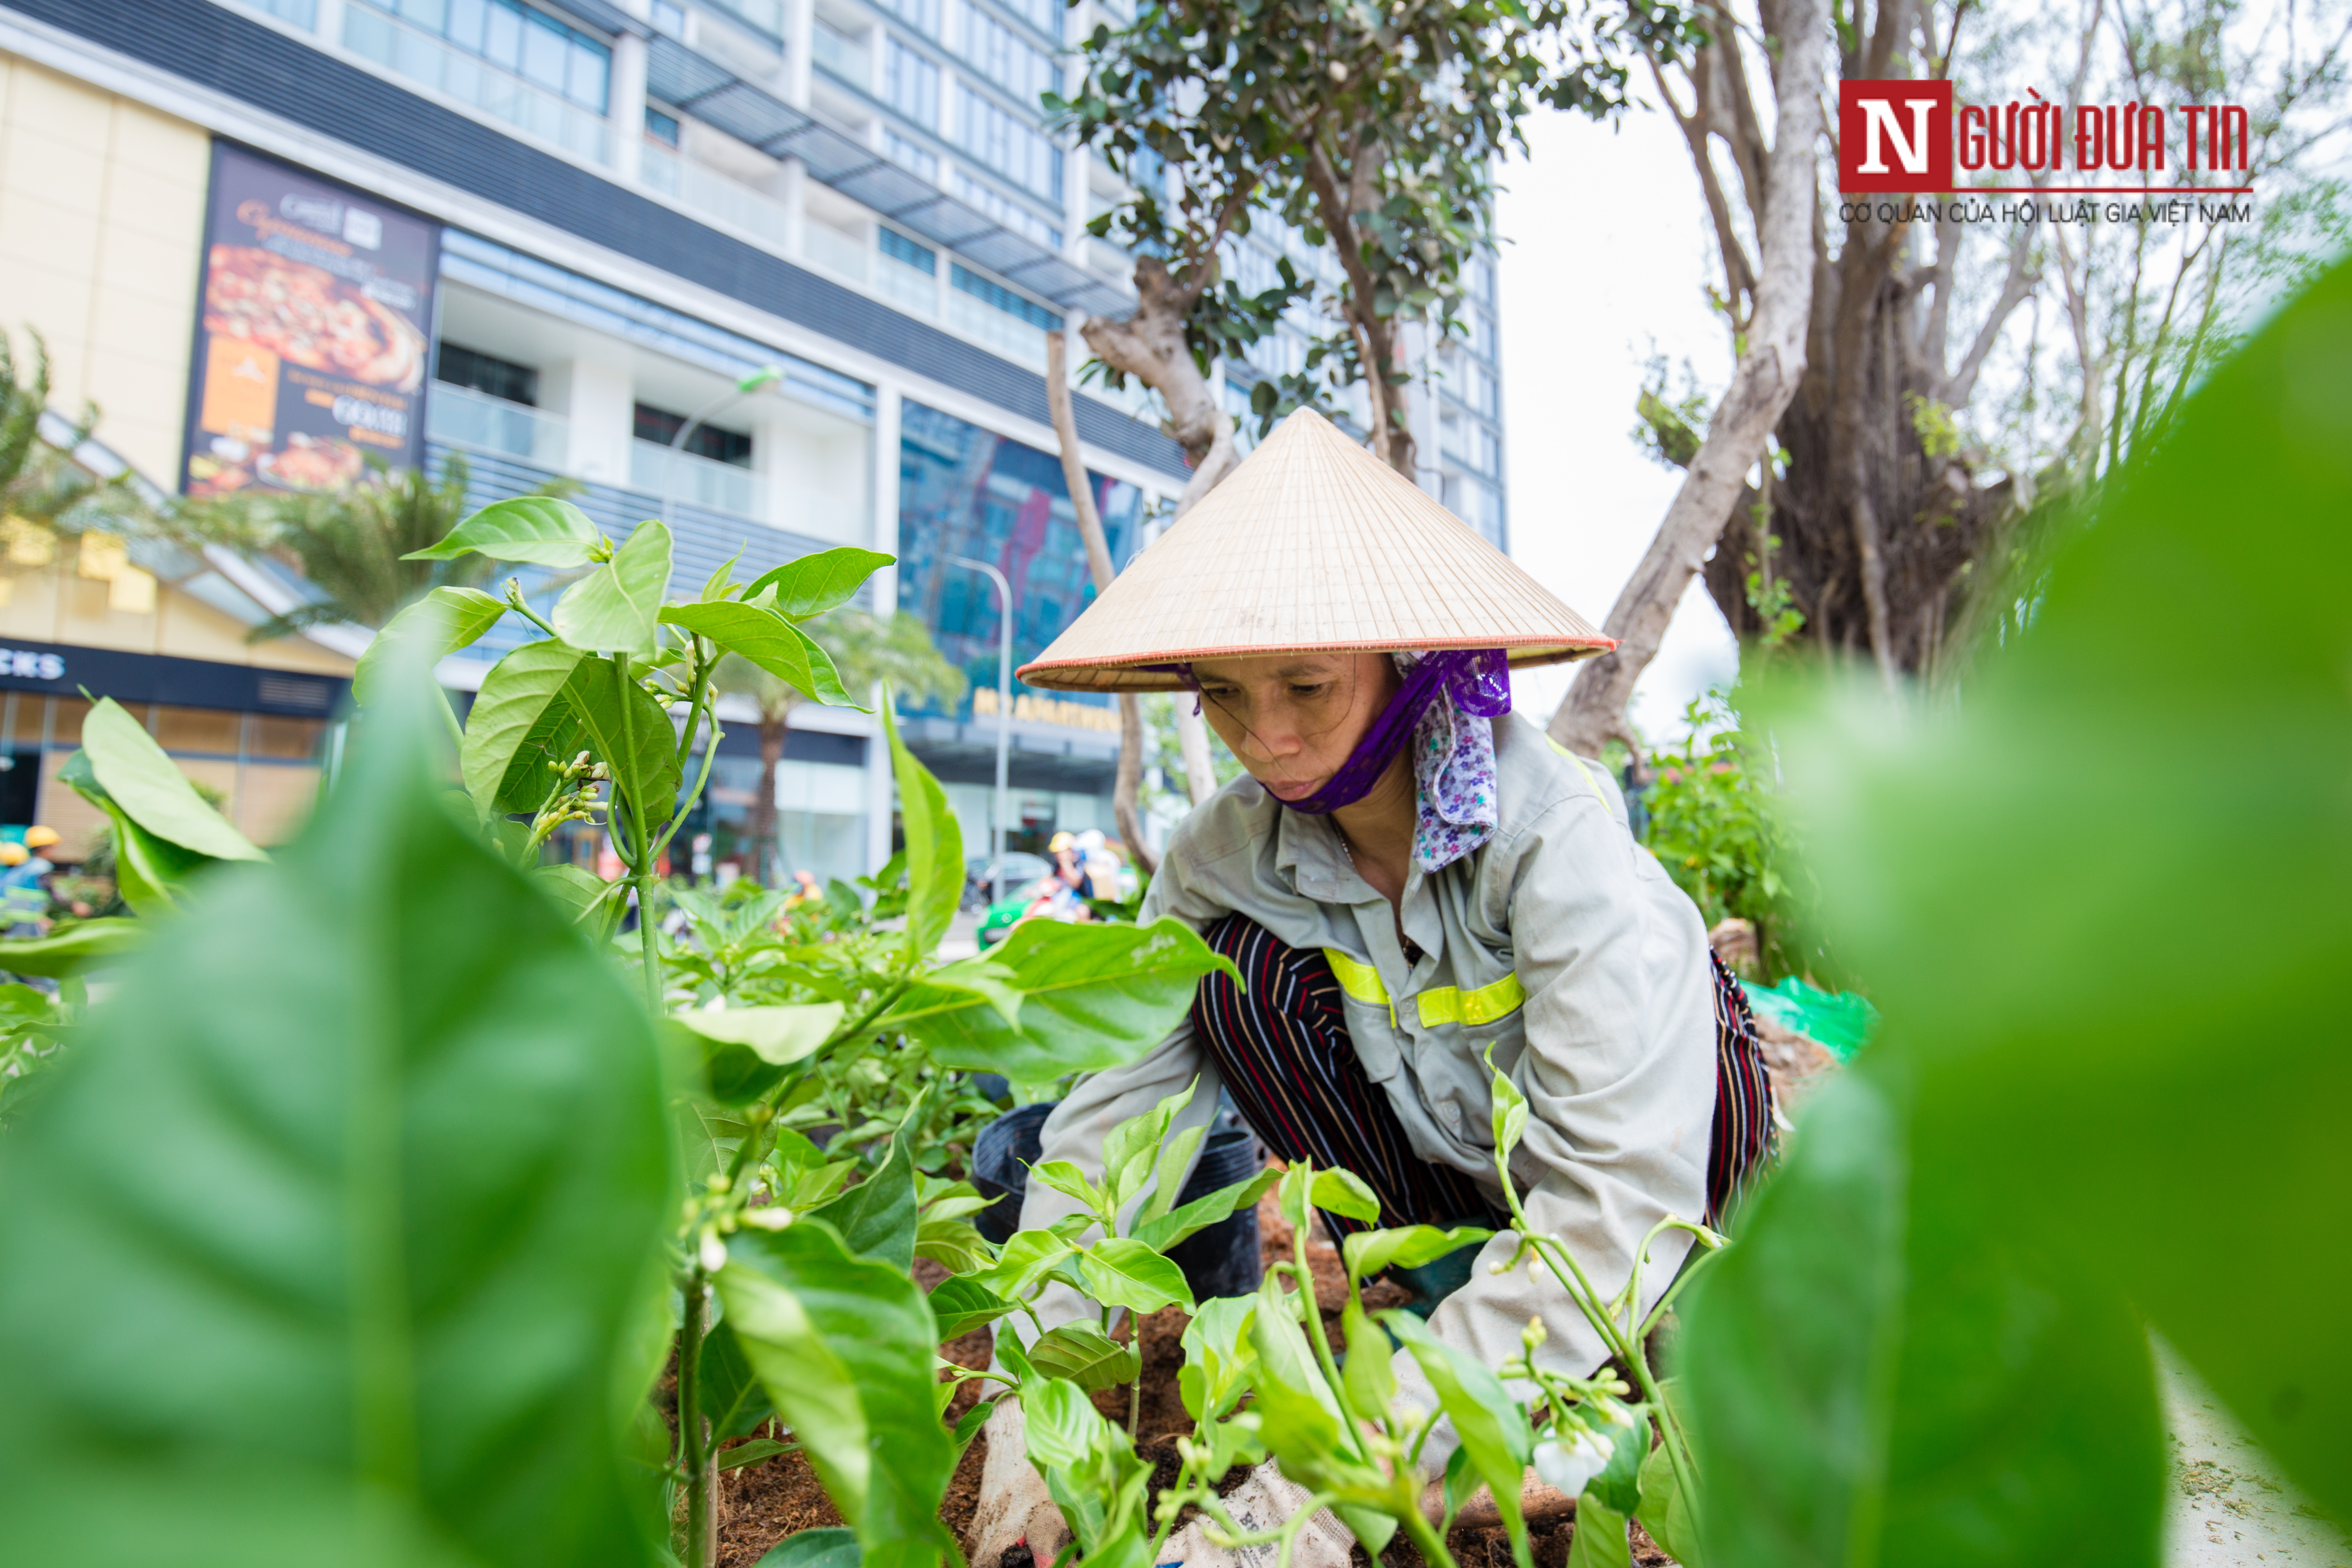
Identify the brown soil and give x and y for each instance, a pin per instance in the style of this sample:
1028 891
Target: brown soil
761 1504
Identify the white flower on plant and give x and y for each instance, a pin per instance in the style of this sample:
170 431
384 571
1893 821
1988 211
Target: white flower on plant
1569 1464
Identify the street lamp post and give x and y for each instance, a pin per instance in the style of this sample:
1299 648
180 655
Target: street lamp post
757 380
1004 707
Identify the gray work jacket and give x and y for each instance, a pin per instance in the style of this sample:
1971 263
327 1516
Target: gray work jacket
1560 943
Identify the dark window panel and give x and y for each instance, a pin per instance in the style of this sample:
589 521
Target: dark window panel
486 373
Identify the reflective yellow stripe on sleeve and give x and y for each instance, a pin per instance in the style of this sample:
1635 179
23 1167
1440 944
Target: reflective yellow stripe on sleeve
1360 981
1437 1005
1449 1004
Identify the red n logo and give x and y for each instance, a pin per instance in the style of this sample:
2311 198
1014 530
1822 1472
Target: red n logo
1895 137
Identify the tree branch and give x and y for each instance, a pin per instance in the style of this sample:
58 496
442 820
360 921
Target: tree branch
1733 113
1738 274
1762 386
2015 289
1393 446
1125 788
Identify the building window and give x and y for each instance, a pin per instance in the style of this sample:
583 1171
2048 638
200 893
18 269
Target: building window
660 426
1002 56
1004 299
765 18
910 84
483 372
965 491
1482 334
899 248
662 128
1006 211
910 155
669 17
1007 144
1477 504
529 42
923 15
1045 15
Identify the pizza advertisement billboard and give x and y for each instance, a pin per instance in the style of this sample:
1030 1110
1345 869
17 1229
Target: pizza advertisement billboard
313 334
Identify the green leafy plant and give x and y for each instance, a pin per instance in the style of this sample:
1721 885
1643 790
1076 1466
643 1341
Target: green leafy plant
2103 1101
395 1120
1125 1266
1717 823
787 1300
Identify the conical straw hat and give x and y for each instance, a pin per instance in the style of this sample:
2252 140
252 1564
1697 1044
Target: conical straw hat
1312 545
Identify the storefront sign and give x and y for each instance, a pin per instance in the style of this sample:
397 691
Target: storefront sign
27 665
313 335
63 670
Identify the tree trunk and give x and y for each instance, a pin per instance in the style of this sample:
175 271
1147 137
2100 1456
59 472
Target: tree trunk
1762 384
1124 806
767 865
1338 202
1875 531
1150 346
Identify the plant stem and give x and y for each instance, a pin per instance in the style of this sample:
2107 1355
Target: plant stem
641 863
1431 1545
694 1455
709 755
449 717
1320 1339
694 715
652 962
514 598
1135 1389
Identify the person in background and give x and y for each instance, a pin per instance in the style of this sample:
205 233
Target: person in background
1069 868
1099 865
24 890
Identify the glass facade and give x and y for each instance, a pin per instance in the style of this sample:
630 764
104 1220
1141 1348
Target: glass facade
529 42
965 491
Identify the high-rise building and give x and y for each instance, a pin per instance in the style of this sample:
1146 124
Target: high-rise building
560 232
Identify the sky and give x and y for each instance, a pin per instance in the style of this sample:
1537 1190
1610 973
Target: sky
1606 262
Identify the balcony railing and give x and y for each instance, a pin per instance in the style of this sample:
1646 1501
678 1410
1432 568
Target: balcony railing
463 417
470 80
1009 335
695 481
841 55
705 190
830 248
909 287
762 15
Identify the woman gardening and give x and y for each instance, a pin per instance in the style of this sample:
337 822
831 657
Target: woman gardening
1409 878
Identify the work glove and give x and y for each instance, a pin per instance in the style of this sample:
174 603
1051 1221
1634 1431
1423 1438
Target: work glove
1015 1506
1266 1501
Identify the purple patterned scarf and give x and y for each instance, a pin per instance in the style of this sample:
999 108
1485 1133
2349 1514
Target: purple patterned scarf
1453 744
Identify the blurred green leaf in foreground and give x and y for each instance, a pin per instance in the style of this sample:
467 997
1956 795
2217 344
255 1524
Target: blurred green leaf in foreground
2106 910
321 1249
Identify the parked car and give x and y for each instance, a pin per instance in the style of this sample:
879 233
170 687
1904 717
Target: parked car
1021 869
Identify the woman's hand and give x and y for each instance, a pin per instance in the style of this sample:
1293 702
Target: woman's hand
1015 1506
1268 1501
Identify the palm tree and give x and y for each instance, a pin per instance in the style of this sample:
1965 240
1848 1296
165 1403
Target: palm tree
347 545
40 482
865 649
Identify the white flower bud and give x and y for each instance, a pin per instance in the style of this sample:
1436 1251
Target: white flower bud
1568 1466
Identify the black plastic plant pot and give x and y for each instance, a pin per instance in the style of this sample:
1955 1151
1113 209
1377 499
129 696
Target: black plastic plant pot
1222 1261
